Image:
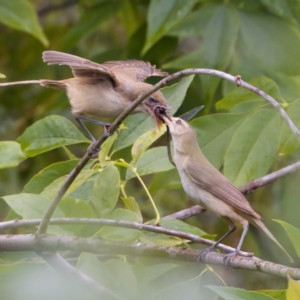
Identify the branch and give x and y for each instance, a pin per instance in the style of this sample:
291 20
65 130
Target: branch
256 183
237 80
28 242
183 214
58 263
124 224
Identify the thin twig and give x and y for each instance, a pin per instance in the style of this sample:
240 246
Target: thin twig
183 214
20 82
28 242
256 183
58 263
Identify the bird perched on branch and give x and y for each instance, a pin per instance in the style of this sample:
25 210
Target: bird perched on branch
103 90
206 186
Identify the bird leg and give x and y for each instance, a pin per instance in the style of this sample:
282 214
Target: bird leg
211 248
92 152
228 256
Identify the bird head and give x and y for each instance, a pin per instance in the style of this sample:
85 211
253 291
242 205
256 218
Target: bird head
184 135
155 105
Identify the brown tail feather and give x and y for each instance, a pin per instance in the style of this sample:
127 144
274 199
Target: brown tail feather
262 226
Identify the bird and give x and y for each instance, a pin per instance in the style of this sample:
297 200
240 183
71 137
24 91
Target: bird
208 187
103 90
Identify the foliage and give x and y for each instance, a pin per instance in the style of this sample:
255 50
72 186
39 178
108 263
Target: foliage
238 131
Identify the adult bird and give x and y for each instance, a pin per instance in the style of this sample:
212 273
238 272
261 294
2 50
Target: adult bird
103 90
208 187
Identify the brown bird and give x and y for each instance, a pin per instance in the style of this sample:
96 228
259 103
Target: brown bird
103 90
211 189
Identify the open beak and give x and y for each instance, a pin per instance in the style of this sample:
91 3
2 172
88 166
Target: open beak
159 114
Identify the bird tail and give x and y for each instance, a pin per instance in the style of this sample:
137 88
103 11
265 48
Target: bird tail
54 84
262 226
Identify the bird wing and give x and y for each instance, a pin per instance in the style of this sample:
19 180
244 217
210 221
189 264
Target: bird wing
81 67
216 183
139 70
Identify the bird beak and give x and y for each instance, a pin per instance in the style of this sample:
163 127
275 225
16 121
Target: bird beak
159 114
167 119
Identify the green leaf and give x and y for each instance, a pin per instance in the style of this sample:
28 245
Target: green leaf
84 178
144 141
90 20
229 293
262 32
155 271
2 75
189 115
41 180
126 283
215 133
140 123
130 16
216 49
176 93
11 154
288 141
90 265
181 226
30 206
293 233
21 15
195 23
106 190
277 294
118 233
152 161
50 133
134 127
106 146
160 239
293 290
253 148
281 9
73 208
162 16
241 95
131 204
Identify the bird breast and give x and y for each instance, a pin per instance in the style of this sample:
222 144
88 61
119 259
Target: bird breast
203 197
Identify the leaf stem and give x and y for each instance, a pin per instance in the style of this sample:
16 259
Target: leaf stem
123 163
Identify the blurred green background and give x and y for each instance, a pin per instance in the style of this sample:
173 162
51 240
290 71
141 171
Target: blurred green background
257 39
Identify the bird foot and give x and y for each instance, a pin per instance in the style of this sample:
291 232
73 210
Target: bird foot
228 257
93 153
202 254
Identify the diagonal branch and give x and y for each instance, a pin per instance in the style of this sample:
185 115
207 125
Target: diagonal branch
256 183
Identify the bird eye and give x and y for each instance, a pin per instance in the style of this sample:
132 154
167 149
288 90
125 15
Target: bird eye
178 122
152 100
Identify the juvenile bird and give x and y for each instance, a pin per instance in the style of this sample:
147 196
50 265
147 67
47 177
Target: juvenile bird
211 189
103 90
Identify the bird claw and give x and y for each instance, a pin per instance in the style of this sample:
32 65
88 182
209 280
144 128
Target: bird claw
228 257
93 153
202 254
